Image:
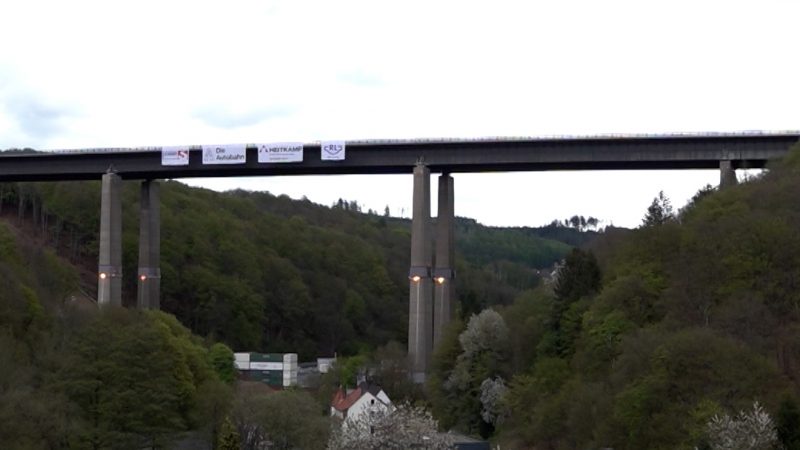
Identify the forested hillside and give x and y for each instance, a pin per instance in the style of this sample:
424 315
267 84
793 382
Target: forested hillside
646 335
261 272
73 378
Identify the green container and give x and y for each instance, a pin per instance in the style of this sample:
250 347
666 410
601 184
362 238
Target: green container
275 357
266 357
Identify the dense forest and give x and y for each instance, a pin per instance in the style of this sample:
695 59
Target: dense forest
261 272
648 339
74 378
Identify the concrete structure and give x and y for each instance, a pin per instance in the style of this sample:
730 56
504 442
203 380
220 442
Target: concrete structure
109 269
324 365
149 276
628 152
420 307
727 174
444 271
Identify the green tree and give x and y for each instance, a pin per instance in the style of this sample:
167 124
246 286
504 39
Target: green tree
577 279
131 380
659 212
788 424
444 360
288 420
215 401
579 276
228 437
220 357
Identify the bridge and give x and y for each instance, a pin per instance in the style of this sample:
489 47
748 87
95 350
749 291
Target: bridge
369 157
432 274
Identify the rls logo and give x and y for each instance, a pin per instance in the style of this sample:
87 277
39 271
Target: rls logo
333 149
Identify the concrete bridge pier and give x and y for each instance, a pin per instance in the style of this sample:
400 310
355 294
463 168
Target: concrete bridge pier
444 272
420 310
727 174
109 270
149 274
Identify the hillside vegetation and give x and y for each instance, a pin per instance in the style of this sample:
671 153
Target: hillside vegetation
87 379
255 271
261 272
641 342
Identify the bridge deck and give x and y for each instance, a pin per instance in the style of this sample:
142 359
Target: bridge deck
682 151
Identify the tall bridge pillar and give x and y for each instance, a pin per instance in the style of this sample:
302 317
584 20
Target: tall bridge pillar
149 276
420 307
727 174
109 276
444 273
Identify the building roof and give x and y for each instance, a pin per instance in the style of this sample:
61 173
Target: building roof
342 401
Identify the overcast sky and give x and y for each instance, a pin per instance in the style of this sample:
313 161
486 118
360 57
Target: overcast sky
77 74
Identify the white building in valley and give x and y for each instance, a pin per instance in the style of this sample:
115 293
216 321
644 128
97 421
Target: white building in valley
365 399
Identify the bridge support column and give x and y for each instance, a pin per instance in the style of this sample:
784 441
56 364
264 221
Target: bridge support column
420 309
149 276
444 273
727 174
109 281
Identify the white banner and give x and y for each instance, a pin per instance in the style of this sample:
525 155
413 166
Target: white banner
175 156
224 154
266 365
332 150
283 152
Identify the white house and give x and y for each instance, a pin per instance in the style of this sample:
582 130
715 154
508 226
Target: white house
366 398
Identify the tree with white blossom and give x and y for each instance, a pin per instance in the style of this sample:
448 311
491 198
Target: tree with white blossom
401 428
493 391
749 430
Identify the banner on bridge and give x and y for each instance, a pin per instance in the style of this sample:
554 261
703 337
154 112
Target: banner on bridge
175 156
284 152
332 150
225 154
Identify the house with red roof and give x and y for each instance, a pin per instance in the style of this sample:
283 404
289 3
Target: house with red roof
367 397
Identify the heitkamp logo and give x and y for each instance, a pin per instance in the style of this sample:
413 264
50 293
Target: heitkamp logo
280 152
